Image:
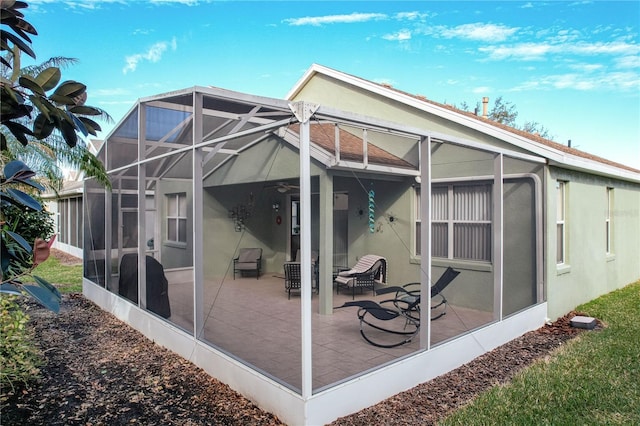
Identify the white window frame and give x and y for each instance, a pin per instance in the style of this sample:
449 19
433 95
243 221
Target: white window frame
451 221
607 220
180 200
418 223
561 222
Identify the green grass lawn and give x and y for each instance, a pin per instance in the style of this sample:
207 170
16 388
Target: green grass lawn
593 380
67 278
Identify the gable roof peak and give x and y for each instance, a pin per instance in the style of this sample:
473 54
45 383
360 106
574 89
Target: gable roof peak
532 142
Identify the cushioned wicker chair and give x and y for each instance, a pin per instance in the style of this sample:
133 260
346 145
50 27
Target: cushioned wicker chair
248 260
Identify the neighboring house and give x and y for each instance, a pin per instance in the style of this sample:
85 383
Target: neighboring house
201 173
66 206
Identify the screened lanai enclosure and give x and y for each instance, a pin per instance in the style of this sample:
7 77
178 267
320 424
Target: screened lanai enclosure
201 175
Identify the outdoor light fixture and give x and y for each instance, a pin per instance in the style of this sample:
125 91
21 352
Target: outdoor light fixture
276 205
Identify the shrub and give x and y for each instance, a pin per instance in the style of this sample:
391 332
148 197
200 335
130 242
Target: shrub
19 357
29 223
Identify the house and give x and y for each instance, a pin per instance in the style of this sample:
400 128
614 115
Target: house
199 174
579 191
66 207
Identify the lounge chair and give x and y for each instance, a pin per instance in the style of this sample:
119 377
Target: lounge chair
409 292
381 322
249 259
367 272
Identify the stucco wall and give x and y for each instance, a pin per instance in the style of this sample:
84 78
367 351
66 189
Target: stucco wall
589 271
175 255
251 176
328 91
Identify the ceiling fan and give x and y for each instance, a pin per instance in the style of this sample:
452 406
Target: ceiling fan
283 187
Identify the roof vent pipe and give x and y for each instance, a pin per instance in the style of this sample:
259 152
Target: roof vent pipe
485 104
569 143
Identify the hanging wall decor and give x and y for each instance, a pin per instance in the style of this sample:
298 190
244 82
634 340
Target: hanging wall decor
372 218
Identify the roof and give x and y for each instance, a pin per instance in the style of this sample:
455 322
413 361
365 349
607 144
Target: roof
555 153
323 135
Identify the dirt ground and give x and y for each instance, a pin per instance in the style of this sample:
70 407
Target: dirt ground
65 258
99 371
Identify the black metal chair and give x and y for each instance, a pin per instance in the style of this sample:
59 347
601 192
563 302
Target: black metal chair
409 292
292 277
396 321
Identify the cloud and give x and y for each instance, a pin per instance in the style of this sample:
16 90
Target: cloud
154 54
184 2
478 32
410 16
317 21
602 81
537 51
482 90
522 51
628 62
401 35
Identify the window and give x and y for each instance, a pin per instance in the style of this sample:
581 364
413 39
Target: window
608 219
461 222
177 218
561 229
70 221
418 216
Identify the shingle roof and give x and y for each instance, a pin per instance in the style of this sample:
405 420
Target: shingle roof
323 135
529 136
535 139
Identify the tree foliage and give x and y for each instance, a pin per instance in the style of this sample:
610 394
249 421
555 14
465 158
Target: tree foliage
506 112
36 106
48 157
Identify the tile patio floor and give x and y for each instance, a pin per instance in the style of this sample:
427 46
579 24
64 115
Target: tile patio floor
255 322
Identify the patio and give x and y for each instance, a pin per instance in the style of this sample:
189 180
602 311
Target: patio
255 322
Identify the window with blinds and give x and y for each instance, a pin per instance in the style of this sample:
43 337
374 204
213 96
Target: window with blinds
461 221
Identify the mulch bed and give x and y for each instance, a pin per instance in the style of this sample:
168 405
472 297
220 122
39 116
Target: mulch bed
100 371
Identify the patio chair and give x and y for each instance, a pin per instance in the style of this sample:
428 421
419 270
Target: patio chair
249 259
292 277
387 324
381 322
367 272
315 268
409 292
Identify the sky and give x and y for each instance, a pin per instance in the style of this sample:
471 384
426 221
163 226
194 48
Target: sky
572 66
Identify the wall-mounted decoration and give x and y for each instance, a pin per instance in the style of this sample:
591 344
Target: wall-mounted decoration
240 213
372 206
